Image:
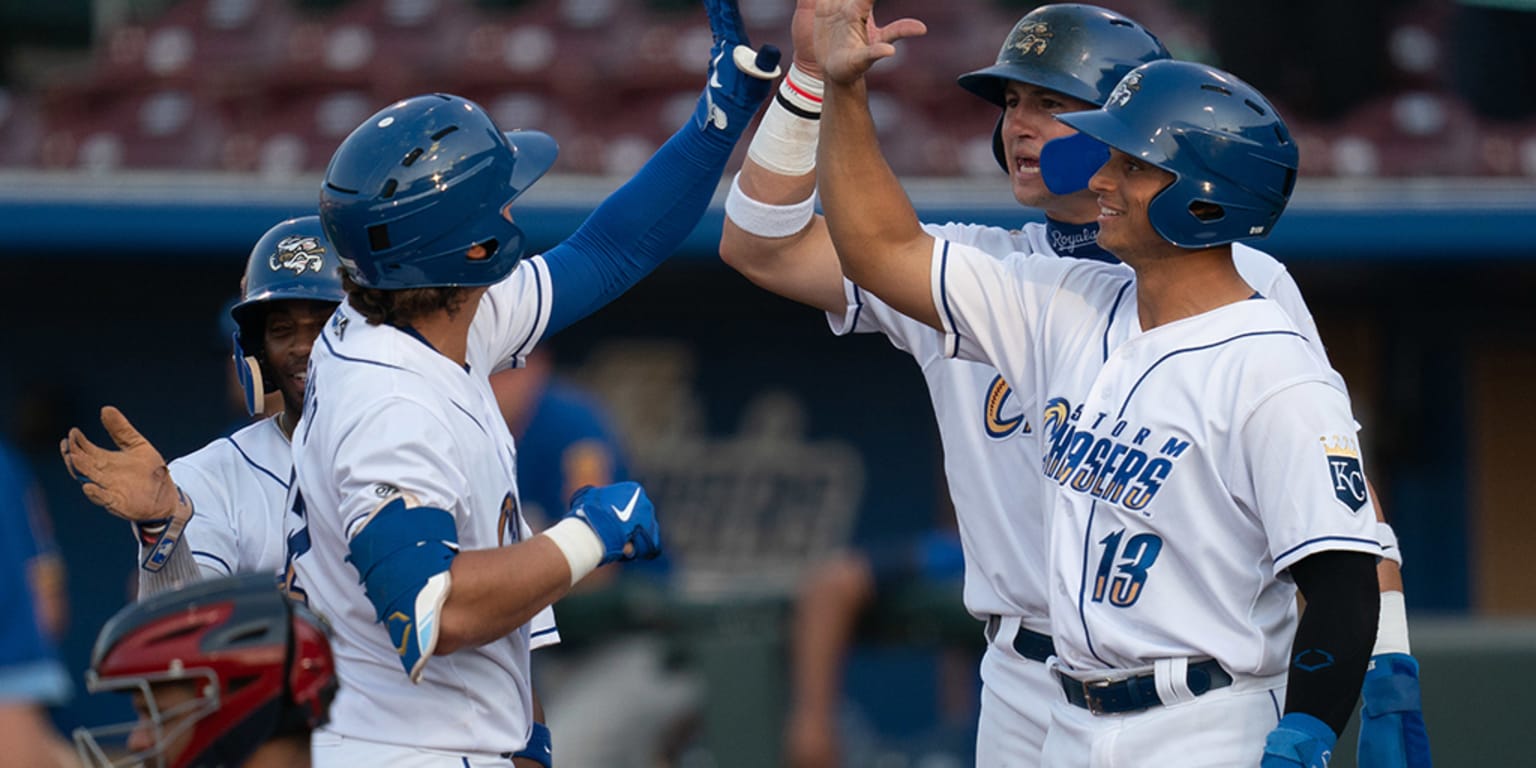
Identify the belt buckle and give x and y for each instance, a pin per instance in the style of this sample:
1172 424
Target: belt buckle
1095 704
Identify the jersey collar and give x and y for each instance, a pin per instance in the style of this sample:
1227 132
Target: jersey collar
1077 240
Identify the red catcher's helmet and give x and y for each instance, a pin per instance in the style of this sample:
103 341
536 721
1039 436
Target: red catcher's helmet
261 665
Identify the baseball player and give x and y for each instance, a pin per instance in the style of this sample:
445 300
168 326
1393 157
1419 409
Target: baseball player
1057 58
1199 456
223 672
404 527
218 510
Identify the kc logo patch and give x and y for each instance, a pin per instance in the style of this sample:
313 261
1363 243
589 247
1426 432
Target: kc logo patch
1344 471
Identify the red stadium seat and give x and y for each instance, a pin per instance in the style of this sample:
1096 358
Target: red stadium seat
168 129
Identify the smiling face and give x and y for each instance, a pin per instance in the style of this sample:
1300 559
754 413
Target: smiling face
1029 121
290 330
1125 187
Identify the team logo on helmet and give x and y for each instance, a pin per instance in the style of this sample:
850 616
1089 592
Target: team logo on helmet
299 253
1031 38
1125 90
1344 471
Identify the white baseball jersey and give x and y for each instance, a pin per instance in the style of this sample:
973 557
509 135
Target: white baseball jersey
1186 466
988 430
987 426
385 411
238 486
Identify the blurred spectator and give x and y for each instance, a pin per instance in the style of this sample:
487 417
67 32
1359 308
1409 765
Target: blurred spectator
617 691
1313 58
1495 57
31 677
835 599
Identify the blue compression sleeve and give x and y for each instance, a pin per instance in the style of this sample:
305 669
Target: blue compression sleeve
638 226
642 223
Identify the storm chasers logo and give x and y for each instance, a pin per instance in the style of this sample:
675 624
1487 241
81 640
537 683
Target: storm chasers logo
1030 38
298 253
1343 455
1126 466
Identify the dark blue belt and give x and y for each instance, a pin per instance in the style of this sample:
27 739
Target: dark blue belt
1134 694
1029 644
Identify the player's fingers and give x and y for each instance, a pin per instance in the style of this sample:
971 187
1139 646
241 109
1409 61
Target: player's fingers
120 429
69 463
100 497
79 455
901 29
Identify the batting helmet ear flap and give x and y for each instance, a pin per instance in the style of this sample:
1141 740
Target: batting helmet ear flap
997 144
248 371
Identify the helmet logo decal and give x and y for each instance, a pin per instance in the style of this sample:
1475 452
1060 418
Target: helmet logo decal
1125 90
298 253
1031 38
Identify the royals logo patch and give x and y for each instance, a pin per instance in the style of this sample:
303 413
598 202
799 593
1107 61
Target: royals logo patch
1031 39
1343 455
299 253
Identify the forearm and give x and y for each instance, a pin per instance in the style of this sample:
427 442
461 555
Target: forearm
496 591
872 224
179 569
637 227
1334 639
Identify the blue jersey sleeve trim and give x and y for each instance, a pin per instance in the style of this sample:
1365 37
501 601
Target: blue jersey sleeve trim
215 558
1372 543
544 632
858 308
949 316
635 228
538 301
258 467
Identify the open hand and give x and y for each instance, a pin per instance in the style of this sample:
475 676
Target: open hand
131 482
848 41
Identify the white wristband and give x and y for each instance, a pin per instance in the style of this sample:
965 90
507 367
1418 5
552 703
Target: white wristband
786 139
756 217
1392 626
581 546
1389 548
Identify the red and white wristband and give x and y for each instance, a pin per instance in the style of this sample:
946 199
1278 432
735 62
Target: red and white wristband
785 142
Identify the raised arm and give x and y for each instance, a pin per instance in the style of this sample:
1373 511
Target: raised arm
772 234
878 238
644 221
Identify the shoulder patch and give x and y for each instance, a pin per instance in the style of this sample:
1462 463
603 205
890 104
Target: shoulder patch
1343 456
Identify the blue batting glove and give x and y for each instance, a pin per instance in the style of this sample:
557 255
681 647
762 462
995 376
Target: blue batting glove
1392 733
540 747
1299 741
620 514
740 78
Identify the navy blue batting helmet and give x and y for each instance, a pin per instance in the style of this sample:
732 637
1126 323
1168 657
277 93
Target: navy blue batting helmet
419 184
292 261
1081 51
1221 139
